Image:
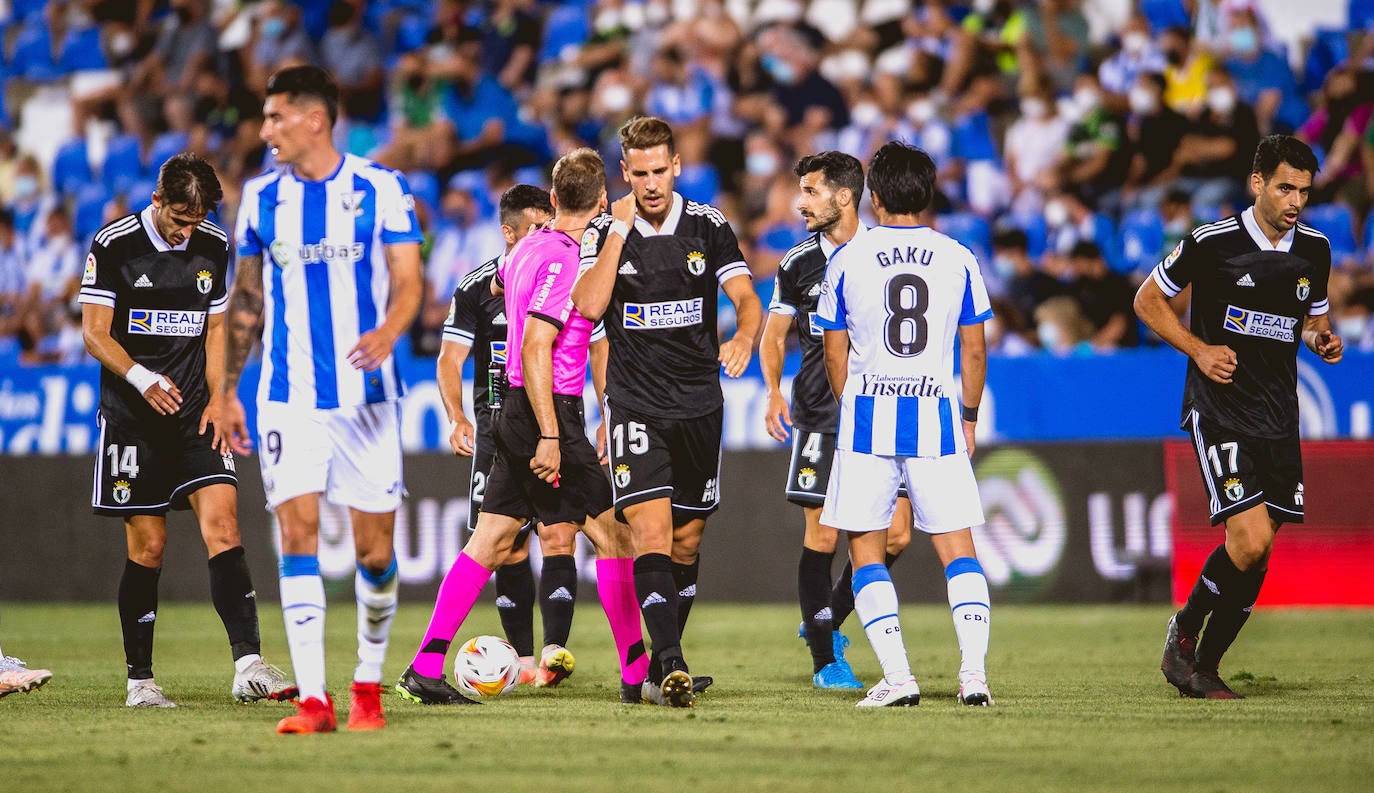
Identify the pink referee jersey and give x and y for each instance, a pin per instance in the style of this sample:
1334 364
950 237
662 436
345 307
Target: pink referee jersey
538 278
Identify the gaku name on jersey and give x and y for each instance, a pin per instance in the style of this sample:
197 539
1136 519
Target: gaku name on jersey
160 322
668 314
1258 323
887 385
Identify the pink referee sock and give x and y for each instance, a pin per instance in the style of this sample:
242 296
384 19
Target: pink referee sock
615 583
457 594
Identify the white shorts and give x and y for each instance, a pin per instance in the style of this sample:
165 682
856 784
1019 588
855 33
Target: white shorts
863 492
350 454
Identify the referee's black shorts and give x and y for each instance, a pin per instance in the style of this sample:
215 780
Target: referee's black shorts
514 491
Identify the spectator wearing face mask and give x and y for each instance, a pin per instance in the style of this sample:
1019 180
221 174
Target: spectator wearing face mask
1094 157
1185 73
1023 285
1032 147
186 43
1337 128
1263 78
1061 328
1105 297
1153 133
1217 151
1121 72
280 38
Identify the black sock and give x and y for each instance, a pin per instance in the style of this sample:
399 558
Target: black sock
1228 617
557 597
1216 577
842 596
685 579
231 590
515 603
137 616
658 603
813 592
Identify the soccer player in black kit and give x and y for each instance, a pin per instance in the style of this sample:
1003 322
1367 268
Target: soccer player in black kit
1259 292
831 184
153 299
655 266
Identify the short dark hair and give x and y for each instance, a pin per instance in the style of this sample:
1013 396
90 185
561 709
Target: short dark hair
839 170
579 179
902 177
188 180
517 199
1277 149
646 132
1013 238
307 81
1085 249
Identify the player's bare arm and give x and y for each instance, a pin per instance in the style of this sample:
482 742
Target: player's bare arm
407 289
736 352
836 344
772 350
244 320
214 369
536 364
448 372
1216 361
159 392
592 292
1321 339
598 353
973 372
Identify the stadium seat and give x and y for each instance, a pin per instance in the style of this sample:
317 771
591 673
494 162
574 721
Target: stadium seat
1164 14
1338 224
424 185
1037 234
140 194
566 26
412 32
1361 15
164 147
1141 239
32 58
699 182
81 50
123 163
89 215
71 167
971 229
1328 49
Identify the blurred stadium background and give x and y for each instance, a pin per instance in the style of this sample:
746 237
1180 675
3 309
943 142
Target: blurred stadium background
1077 140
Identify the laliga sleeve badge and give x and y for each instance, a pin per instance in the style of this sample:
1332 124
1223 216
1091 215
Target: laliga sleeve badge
88 277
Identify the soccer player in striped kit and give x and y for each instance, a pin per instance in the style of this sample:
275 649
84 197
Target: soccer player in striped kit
892 301
329 260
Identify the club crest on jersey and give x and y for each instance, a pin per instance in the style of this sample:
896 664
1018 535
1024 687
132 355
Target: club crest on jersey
696 262
1234 489
353 202
88 277
281 253
204 282
122 492
622 476
1304 288
806 478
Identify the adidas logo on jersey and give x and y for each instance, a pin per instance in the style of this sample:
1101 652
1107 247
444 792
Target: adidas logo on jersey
654 599
500 319
147 618
504 602
628 268
561 593
815 290
143 281
1245 280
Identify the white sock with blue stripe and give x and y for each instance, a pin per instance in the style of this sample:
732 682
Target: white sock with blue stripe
972 611
302 606
875 601
376 608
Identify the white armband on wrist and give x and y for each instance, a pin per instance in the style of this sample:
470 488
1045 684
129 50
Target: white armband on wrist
140 378
619 227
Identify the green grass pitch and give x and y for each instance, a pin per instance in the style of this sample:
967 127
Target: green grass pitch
1080 705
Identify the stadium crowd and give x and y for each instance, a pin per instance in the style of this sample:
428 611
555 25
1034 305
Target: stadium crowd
1077 140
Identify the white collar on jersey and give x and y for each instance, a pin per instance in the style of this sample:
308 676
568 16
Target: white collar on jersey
151 228
1247 219
828 247
646 229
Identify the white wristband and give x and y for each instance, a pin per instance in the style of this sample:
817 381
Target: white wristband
619 227
139 377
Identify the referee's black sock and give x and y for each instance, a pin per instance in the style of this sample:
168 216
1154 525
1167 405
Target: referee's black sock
557 597
137 616
842 596
685 579
231 590
1229 617
813 592
1217 575
658 603
515 595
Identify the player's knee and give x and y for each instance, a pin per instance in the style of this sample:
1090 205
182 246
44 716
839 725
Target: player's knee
149 552
221 534
1249 553
375 560
897 542
559 539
